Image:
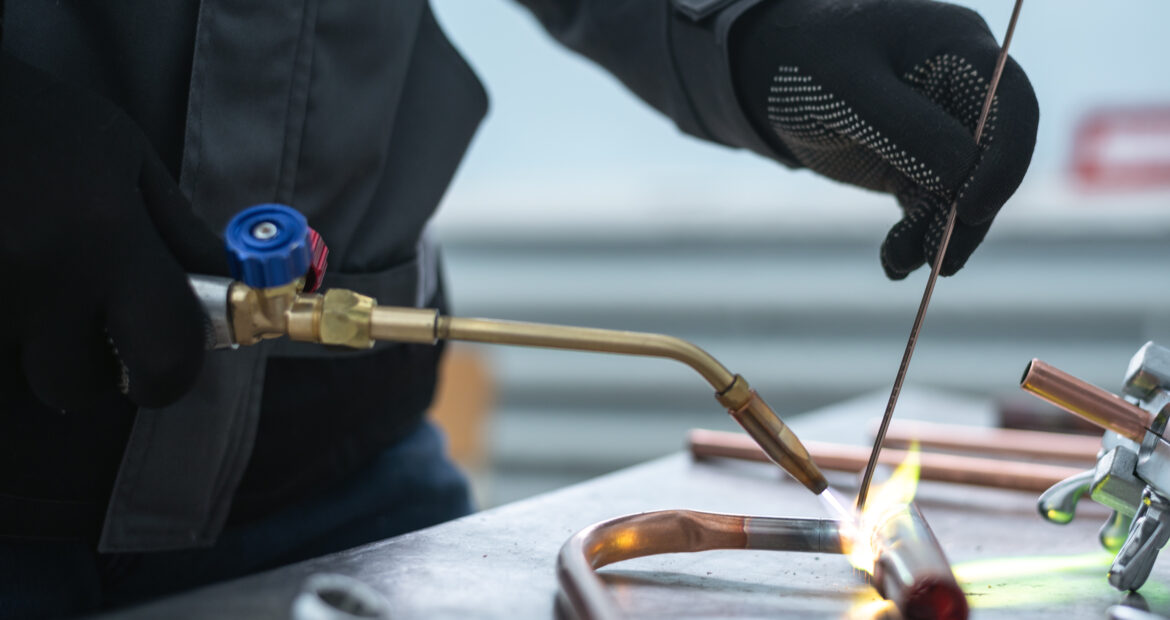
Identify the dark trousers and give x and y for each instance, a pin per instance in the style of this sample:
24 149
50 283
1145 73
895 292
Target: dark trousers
409 486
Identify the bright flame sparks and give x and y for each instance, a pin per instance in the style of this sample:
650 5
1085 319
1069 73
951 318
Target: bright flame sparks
858 532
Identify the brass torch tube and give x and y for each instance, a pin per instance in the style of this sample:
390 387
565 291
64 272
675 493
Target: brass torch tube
586 339
731 390
425 325
780 444
1086 400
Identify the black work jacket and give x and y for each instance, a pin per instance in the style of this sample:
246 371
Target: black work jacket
357 114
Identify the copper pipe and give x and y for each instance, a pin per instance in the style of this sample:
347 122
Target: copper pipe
994 441
1035 477
911 569
1086 400
673 531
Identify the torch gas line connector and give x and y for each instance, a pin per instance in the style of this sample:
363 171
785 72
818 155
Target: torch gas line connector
1132 475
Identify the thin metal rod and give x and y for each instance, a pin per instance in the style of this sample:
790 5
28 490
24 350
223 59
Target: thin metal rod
935 268
998 73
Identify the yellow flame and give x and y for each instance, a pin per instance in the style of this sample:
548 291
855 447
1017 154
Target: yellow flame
885 500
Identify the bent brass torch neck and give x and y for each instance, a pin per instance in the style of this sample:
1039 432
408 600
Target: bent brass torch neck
345 318
731 390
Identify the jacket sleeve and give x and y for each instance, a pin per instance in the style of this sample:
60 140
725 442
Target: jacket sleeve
671 53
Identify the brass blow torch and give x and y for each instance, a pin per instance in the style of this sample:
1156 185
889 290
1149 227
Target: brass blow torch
278 261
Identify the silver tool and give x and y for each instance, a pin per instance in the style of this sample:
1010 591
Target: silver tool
1132 476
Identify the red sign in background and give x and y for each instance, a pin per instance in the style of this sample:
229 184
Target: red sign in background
1123 149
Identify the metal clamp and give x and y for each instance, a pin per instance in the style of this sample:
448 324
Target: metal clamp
1132 475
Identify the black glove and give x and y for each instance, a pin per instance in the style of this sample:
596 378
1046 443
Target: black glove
885 94
96 242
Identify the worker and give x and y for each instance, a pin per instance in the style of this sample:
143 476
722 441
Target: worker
132 464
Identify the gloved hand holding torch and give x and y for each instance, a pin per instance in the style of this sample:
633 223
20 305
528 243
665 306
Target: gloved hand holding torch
96 244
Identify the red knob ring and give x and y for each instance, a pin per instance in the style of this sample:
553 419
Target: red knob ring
318 260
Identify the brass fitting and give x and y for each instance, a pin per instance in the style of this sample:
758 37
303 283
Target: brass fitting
771 433
260 313
345 319
339 317
736 395
777 440
304 317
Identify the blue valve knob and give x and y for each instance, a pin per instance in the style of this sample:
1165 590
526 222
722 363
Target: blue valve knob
268 245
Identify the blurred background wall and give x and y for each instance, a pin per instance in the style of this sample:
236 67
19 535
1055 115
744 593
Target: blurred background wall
578 203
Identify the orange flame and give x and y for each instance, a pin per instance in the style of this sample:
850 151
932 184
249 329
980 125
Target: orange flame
859 534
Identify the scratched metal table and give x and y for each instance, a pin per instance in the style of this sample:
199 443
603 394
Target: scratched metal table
500 563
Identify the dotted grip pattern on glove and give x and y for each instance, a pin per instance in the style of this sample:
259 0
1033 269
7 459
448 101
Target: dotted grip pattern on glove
829 136
886 96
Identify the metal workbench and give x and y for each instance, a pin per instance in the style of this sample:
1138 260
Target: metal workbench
500 563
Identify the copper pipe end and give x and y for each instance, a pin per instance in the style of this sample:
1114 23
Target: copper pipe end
935 598
913 571
1086 400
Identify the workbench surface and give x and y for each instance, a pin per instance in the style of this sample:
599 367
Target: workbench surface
500 563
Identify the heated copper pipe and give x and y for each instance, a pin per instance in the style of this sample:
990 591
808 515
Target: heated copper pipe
1086 400
1035 477
583 592
911 569
994 441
